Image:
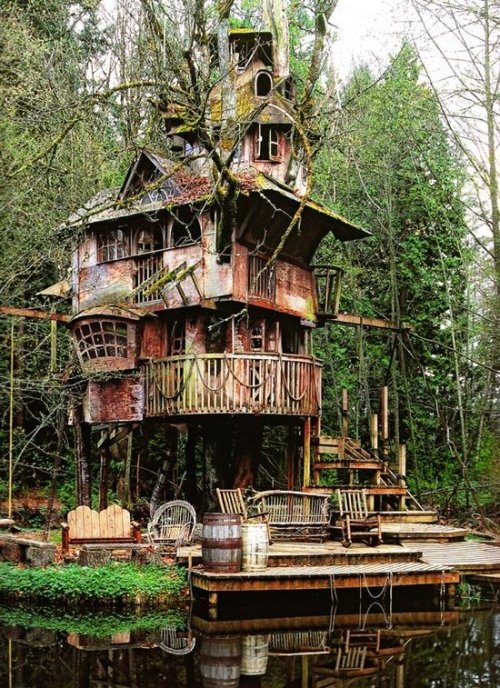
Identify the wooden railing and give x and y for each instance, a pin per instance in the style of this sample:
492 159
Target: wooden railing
233 383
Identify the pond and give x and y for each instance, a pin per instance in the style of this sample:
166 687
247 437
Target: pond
309 642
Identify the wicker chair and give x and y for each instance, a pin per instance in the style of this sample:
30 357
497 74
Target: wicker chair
173 524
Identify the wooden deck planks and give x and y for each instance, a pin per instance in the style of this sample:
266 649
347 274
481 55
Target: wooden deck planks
325 577
464 556
425 531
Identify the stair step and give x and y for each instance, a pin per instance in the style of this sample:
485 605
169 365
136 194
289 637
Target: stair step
354 464
370 489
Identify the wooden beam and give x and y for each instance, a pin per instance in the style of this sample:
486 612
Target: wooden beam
34 313
355 320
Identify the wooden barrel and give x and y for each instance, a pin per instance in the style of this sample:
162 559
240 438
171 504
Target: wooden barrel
255 546
220 662
221 543
254 655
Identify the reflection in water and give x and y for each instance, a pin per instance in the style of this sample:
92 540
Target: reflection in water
360 646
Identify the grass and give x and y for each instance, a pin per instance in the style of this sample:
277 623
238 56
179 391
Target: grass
113 584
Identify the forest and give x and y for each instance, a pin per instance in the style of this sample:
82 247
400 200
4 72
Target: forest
409 156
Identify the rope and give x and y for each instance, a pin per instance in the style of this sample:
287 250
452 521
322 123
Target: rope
186 378
244 384
287 390
207 386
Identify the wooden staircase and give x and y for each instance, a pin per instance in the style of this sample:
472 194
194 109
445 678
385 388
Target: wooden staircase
340 462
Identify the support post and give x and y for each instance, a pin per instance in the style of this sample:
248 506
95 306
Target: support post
384 421
345 413
402 474
306 445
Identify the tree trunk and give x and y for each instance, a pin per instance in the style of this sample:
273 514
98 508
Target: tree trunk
82 457
160 489
248 451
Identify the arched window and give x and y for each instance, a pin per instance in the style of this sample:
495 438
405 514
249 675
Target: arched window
102 339
148 238
112 244
263 84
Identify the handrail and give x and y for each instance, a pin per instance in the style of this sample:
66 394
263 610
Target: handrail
241 382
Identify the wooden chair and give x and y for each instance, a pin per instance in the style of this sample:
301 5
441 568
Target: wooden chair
173 523
356 521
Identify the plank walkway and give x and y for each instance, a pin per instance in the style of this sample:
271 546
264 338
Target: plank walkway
466 557
320 554
423 531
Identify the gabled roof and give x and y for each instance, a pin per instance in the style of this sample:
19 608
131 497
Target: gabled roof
269 203
174 186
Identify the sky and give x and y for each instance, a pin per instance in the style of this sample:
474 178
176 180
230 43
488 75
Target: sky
367 30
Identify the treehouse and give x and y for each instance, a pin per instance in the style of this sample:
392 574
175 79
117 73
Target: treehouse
185 316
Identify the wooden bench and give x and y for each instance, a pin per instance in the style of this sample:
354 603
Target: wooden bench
110 526
294 515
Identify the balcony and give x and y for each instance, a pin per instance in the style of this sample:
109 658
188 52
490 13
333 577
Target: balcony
265 383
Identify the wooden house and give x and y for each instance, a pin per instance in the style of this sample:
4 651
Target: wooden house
176 321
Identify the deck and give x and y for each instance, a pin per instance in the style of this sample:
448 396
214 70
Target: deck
423 531
466 557
327 578
328 553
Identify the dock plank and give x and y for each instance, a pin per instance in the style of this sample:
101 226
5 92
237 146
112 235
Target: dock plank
468 556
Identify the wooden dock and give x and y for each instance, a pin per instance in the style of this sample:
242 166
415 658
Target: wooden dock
467 557
320 554
328 578
430 532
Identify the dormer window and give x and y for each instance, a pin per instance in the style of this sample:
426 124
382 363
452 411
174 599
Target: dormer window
267 143
112 244
263 84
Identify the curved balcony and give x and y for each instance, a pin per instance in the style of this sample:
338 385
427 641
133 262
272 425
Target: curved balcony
272 384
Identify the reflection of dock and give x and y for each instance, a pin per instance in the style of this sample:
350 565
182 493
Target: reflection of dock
411 622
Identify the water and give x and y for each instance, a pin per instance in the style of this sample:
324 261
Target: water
363 643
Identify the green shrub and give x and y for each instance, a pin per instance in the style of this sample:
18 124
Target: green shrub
116 582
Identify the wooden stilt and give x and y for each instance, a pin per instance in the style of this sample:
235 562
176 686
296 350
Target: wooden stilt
306 445
402 474
345 413
104 470
384 421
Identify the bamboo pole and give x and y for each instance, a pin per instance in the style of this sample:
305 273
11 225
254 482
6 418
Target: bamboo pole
11 422
402 473
53 346
384 421
306 442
